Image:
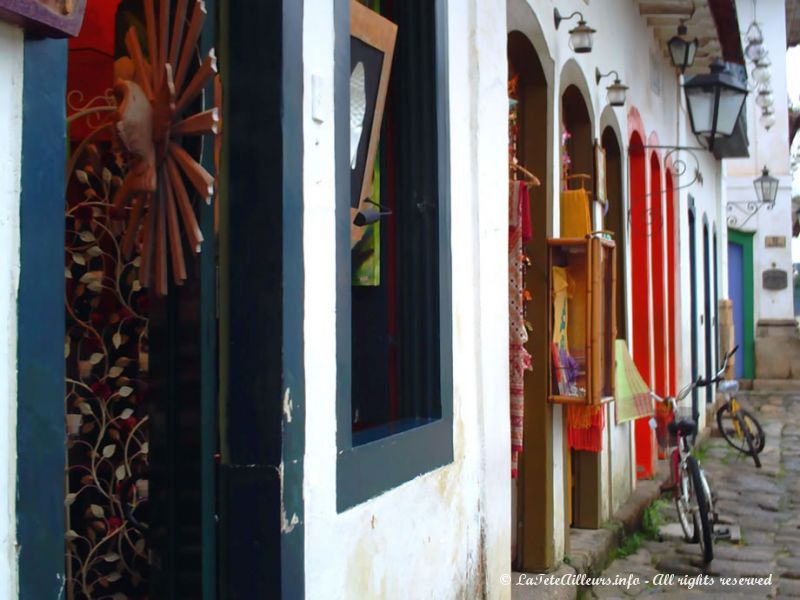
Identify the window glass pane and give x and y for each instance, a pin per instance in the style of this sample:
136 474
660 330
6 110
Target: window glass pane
395 284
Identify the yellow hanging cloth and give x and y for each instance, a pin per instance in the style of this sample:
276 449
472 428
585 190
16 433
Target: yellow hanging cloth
575 220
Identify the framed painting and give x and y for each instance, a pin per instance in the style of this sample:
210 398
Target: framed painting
600 192
372 42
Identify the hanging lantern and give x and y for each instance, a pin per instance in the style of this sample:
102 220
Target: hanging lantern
766 188
616 91
765 99
761 72
715 101
767 118
581 38
681 50
755 49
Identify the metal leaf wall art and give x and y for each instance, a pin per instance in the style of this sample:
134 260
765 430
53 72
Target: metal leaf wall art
153 114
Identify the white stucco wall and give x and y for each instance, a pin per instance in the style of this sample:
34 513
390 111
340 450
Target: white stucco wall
11 55
450 527
768 148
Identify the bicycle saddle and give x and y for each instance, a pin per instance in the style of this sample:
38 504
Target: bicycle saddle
685 427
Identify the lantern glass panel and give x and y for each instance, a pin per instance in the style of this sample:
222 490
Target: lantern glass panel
701 109
730 105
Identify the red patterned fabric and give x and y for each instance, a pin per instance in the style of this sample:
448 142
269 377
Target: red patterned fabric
519 359
585 427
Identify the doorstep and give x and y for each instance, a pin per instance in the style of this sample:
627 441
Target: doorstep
590 549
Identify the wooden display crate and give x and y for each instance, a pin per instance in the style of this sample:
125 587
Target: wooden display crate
587 324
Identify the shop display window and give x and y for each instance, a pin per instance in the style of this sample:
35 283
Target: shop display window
582 319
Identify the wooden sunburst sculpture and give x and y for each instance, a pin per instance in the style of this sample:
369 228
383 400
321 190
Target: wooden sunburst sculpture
151 118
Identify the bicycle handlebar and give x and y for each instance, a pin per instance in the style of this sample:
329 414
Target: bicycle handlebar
699 382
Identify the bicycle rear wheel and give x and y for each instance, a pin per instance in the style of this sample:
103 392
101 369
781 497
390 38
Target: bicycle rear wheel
733 430
741 417
702 520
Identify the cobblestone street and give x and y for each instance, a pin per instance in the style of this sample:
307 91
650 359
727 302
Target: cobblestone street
764 503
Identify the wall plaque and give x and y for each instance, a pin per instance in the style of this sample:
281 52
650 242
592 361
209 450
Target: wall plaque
774 279
775 241
52 18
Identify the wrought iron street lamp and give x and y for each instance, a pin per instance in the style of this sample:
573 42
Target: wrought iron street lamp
581 38
682 50
766 188
715 101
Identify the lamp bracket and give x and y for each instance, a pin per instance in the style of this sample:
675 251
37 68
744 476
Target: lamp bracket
598 75
557 17
677 165
746 209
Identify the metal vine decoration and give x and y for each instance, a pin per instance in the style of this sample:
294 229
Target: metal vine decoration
677 168
153 114
745 210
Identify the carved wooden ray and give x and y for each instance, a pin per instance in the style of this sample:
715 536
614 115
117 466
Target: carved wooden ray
151 133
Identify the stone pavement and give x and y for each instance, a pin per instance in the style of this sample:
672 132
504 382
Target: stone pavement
764 504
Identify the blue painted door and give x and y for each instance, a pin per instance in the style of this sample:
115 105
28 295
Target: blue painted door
736 294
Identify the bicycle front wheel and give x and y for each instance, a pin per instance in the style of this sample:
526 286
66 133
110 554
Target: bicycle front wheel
733 429
683 503
702 519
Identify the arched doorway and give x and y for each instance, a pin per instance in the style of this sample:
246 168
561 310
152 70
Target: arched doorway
615 219
694 303
532 499
640 295
671 273
658 274
583 501
707 312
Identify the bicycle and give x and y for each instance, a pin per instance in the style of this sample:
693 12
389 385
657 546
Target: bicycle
738 426
693 499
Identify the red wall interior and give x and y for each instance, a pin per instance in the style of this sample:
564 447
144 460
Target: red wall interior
657 273
645 439
671 267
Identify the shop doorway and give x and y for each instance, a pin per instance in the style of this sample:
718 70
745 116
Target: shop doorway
740 291
694 305
175 481
658 274
615 220
708 325
583 502
141 345
639 222
671 262
532 498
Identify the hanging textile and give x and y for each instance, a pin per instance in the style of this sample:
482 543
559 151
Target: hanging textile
632 394
519 359
585 427
575 219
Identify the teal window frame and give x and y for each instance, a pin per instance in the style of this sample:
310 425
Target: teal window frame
366 470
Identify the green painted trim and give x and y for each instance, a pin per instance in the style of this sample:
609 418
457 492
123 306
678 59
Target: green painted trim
745 240
40 309
293 425
368 470
209 348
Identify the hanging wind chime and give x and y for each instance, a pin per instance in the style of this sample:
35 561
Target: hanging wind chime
153 115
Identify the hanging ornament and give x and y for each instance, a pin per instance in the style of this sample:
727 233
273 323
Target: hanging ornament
154 113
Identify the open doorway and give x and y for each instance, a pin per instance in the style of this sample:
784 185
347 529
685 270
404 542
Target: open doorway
583 506
140 349
532 502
